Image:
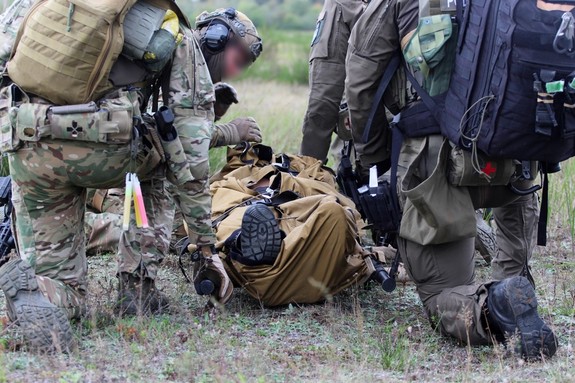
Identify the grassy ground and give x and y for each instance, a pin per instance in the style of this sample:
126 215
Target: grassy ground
363 335
277 107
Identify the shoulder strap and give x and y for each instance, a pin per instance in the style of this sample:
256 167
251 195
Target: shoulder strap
396 142
385 80
543 213
161 83
425 97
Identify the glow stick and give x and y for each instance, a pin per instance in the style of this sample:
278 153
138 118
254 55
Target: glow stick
139 202
137 212
127 202
373 180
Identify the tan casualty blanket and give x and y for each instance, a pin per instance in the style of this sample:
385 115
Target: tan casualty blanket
321 253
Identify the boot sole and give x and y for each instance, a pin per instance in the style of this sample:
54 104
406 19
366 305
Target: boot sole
261 237
537 339
15 276
45 327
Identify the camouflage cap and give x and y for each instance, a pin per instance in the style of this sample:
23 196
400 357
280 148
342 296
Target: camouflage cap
244 30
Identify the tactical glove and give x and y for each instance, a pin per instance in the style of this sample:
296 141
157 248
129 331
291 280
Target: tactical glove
226 95
210 277
239 130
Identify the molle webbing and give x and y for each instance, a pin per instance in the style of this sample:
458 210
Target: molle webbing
70 47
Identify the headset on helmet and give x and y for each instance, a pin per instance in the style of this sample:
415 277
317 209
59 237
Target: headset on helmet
220 26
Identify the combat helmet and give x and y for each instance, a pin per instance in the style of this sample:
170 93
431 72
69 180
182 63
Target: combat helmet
223 25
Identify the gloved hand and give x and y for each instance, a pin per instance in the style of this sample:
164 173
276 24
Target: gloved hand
210 273
237 131
226 95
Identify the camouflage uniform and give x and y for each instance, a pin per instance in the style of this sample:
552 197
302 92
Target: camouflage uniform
443 273
103 221
51 176
327 74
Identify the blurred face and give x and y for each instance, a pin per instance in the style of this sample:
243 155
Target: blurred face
235 61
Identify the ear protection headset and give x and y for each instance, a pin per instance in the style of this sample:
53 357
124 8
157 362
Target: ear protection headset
221 26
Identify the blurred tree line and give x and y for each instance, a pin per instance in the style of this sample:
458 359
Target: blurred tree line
266 14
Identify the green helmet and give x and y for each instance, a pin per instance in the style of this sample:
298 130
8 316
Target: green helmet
219 27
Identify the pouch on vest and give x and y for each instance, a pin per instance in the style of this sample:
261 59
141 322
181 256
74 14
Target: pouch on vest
150 35
120 118
31 122
379 208
151 152
82 126
431 52
435 212
10 97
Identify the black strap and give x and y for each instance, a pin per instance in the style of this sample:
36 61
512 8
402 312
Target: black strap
396 142
276 200
385 80
162 83
459 5
544 213
425 97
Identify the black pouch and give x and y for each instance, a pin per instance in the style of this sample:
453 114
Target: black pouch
418 121
380 209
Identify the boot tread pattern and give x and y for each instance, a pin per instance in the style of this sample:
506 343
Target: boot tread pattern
261 237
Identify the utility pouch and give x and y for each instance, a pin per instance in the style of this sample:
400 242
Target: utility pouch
10 97
379 208
418 121
119 120
75 123
151 152
494 172
111 121
31 121
431 51
435 212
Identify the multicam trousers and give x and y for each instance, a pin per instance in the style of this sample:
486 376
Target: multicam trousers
49 195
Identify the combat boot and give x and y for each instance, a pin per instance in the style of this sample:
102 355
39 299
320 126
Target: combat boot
260 237
137 296
45 326
511 308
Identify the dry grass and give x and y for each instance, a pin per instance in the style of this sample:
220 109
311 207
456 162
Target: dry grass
363 335
278 108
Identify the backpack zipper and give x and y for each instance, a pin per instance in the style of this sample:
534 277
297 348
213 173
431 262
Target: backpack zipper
486 72
93 80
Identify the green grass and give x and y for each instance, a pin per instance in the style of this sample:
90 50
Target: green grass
277 107
363 335
285 57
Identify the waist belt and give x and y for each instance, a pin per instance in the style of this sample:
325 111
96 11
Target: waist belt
109 121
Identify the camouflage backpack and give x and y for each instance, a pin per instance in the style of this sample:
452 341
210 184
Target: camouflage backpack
71 46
